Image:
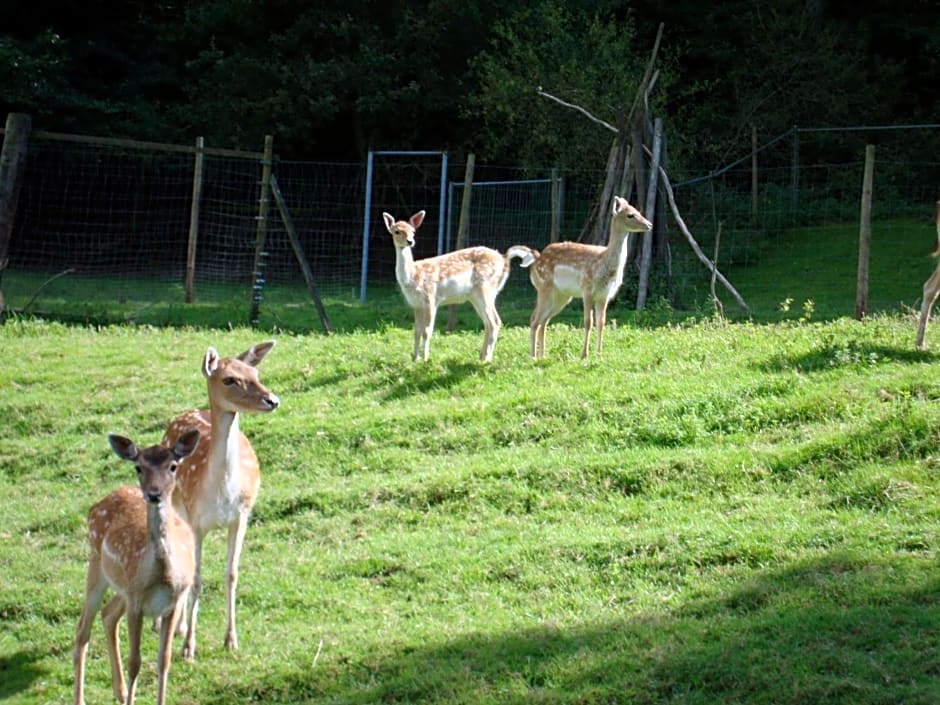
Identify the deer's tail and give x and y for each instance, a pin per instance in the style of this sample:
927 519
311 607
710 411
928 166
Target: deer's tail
528 255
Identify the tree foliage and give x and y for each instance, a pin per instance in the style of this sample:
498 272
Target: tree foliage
333 79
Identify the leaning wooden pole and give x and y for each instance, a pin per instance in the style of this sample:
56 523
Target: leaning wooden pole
646 239
463 224
194 219
264 207
864 236
712 266
12 162
299 253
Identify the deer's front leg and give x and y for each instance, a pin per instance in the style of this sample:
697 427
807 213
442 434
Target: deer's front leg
588 323
192 603
600 314
111 618
236 540
135 621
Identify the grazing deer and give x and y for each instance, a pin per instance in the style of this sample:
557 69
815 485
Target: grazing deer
565 270
474 274
931 289
145 552
219 483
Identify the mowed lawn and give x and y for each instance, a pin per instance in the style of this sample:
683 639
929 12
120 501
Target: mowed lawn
710 512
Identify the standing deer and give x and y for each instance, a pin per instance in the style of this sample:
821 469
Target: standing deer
218 485
565 270
474 274
145 552
931 289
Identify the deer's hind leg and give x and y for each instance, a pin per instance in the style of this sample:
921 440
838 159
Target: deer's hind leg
931 291
485 306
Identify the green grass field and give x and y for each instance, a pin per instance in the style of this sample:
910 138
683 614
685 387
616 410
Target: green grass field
712 512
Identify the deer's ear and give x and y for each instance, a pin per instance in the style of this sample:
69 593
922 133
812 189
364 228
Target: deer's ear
389 221
416 219
186 444
255 354
620 204
123 448
210 363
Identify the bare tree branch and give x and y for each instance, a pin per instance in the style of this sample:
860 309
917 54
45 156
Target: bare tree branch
578 108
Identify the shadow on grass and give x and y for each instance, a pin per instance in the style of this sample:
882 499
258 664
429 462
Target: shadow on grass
845 353
18 672
422 377
832 631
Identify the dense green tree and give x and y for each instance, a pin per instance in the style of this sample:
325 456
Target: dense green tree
585 58
332 79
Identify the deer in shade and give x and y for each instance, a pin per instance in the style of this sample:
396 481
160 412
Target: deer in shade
145 552
565 270
931 289
474 274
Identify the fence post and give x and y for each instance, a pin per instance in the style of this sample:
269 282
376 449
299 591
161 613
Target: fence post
462 225
194 218
646 239
12 161
556 206
864 235
754 198
795 170
264 206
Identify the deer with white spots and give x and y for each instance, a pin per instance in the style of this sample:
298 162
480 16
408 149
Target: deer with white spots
145 552
474 274
565 270
218 484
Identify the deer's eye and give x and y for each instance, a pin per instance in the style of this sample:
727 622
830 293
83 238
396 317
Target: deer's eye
228 381
137 468
173 467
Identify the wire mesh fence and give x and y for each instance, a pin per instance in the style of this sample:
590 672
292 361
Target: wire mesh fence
103 227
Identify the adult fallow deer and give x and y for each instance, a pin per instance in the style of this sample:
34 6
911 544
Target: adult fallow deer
474 274
931 289
145 552
565 270
218 484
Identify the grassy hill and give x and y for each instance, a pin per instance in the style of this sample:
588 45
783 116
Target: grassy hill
711 512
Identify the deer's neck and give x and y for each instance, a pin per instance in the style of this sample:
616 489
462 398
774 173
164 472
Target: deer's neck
159 517
224 443
617 250
405 266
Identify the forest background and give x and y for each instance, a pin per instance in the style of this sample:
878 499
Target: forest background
330 80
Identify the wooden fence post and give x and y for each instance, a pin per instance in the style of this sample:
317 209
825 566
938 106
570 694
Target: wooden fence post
194 219
646 239
12 161
556 207
864 236
264 206
299 253
754 198
463 225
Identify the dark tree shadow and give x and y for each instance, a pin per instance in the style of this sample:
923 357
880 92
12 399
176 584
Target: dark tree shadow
19 671
816 632
848 352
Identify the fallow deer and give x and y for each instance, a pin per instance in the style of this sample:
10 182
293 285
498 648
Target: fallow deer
565 270
145 552
218 484
474 274
931 289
